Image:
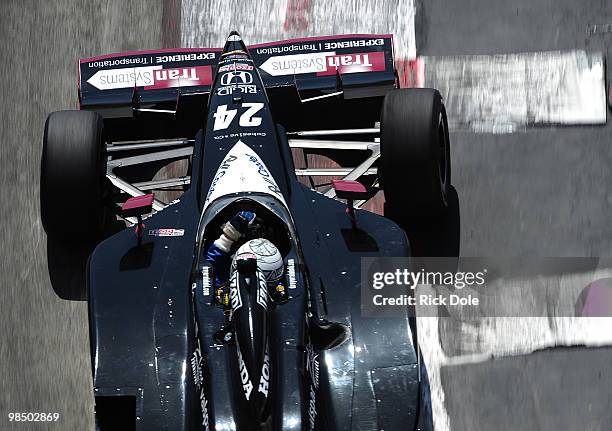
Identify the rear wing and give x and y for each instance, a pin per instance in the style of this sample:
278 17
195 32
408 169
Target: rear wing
356 65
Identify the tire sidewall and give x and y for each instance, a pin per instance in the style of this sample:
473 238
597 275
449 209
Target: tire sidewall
72 175
414 167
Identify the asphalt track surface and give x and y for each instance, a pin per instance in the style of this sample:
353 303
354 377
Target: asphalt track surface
44 349
543 192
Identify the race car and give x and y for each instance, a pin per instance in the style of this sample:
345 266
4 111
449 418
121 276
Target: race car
231 297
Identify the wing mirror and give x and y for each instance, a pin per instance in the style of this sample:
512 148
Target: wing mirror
138 206
351 191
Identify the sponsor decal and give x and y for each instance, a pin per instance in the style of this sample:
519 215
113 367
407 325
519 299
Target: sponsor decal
235 66
196 367
206 282
247 386
167 232
220 173
175 58
289 48
312 408
235 57
204 408
262 291
241 135
312 367
197 364
296 64
112 79
151 77
242 171
324 63
182 77
185 57
236 77
238 88
353 43
291 274
263 173
354 63
116 62
235 297
264 381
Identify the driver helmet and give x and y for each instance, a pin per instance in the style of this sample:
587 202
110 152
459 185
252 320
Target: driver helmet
269 259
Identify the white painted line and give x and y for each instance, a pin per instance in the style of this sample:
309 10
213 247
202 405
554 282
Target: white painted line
504 93
208 22
434 357
599 29
494 337
524 336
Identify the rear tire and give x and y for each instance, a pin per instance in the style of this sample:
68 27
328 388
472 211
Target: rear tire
414 168
67 265
72 175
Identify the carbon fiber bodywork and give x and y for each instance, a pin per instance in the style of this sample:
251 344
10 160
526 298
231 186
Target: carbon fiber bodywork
313 362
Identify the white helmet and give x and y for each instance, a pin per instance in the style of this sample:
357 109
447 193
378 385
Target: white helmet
269 259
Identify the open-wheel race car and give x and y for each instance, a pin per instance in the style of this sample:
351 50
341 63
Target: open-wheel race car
223 292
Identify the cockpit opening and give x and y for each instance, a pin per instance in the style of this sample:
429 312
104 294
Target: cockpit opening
271 222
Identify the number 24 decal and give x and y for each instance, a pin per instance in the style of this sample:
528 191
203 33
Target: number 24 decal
224 116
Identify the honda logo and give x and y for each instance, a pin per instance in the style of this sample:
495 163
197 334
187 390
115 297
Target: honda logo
237 77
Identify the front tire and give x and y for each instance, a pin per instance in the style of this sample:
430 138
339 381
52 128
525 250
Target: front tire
414 165
72 175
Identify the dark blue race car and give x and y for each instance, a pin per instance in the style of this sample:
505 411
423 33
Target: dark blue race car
231 298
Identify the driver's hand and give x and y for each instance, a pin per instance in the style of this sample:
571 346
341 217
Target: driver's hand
242 221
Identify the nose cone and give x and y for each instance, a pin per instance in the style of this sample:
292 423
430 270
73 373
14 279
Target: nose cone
234 44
